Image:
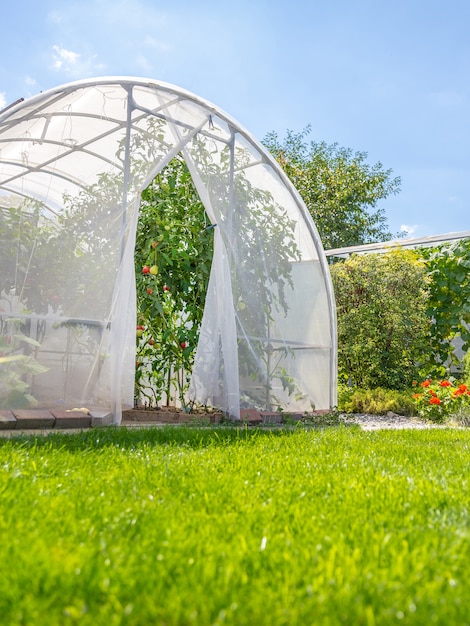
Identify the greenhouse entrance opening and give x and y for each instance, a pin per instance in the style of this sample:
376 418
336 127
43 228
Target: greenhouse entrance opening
74 162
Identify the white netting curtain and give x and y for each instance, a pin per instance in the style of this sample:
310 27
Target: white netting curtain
267 324
73 162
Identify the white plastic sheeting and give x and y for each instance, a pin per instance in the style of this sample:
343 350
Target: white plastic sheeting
73 162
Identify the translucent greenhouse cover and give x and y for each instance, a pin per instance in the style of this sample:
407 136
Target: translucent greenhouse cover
73 163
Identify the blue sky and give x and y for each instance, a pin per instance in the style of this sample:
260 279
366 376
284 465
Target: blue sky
390 78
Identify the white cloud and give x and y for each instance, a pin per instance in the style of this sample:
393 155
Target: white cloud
409 230
3 102
73 63
63 58
30 82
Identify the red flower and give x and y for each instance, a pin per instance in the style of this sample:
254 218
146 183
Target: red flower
434 400
149 291
462 388
416 396
425 383
183 345
145 269
445 383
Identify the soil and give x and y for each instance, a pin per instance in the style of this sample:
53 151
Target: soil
169 415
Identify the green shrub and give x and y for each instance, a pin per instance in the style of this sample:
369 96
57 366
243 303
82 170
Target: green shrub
466 368
448 267
383 329
375 401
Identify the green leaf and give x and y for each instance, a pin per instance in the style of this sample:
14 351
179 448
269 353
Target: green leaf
28 340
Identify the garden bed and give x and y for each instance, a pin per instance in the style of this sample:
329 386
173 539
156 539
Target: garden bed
169 415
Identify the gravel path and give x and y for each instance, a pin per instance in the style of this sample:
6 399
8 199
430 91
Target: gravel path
390 421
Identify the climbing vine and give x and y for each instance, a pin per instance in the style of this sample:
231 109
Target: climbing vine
448 268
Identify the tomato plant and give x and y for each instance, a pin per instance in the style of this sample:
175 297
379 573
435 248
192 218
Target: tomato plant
173 257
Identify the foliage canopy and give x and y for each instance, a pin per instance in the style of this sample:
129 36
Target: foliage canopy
448 266
341 190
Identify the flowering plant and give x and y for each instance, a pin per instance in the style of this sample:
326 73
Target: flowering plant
439 400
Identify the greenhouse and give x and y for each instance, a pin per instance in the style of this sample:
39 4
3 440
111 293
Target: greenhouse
73 163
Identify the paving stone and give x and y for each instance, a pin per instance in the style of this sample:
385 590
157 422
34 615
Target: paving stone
271 418
101 418
71 419
251 416
28 419
7 420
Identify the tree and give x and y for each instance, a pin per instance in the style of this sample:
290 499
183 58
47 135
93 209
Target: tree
341 190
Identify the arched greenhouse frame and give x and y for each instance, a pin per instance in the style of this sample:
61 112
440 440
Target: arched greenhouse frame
73 163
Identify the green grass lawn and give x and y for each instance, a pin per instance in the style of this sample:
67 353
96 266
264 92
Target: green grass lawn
234 526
